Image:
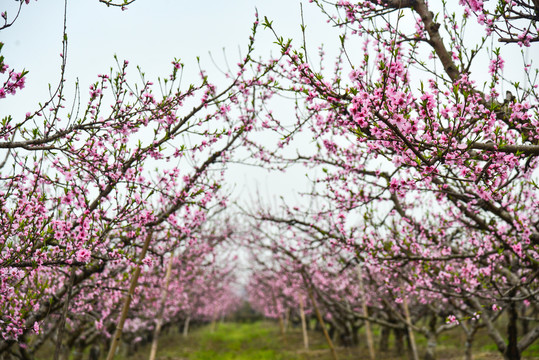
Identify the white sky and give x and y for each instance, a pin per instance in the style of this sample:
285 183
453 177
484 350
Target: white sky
151 33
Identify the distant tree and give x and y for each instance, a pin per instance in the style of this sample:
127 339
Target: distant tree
92 193
427 169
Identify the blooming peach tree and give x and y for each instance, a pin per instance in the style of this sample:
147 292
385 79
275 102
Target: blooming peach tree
425 154
100 188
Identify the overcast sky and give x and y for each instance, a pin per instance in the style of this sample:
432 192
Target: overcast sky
150 34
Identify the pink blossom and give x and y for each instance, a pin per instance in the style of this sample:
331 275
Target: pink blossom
83 255
36 327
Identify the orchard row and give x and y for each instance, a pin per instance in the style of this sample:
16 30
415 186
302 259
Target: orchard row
421 216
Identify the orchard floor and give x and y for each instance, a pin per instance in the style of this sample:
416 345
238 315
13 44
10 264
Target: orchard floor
263 341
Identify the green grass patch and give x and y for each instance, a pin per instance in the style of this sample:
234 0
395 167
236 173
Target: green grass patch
229 341
239 341
263 341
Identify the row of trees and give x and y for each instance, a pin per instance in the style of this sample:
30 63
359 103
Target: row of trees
105 200
423 211
422 215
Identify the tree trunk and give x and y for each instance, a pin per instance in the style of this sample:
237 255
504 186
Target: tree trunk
370 341
409 349
213 323
383 345
64 354
281 329
355 335
127 301
347 338
511 351
95 352
468 354
524 323
186 326
160 312
303 323
61 325
286 319
411 337
399 341
470 336
430 353
281 322
323 325
332 332
317 326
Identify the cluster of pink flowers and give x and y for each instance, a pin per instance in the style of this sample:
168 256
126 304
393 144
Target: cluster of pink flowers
14 82
80 198
427 183
423 201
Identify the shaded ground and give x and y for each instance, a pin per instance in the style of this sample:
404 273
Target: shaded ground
263 341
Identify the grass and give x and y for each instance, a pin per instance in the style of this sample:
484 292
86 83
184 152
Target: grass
238 341
256 341
263 341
